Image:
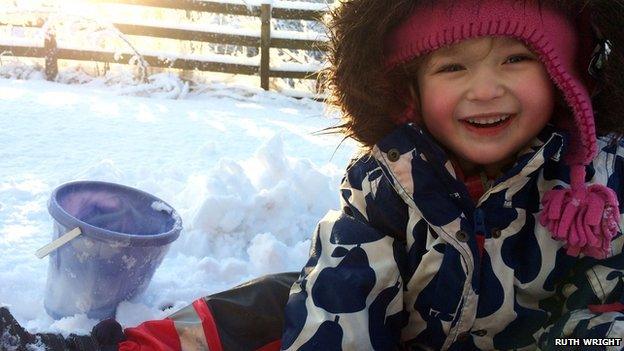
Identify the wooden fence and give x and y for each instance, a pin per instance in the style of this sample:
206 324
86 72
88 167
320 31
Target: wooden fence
51 52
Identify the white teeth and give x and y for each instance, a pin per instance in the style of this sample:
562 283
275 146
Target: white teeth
490 120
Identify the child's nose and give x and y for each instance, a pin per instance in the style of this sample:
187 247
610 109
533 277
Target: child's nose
485 87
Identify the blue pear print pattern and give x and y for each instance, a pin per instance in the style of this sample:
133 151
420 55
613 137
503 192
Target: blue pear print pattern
352 279
327 337
406 265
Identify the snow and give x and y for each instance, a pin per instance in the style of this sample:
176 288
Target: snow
301 5
298 5
291 34
202 27
240 166
296 67
26 42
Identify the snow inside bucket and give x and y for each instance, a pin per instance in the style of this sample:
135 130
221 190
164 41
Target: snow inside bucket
125 236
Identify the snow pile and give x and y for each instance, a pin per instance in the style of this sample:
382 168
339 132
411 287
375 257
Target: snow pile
268 200
14 68
162 85
240 166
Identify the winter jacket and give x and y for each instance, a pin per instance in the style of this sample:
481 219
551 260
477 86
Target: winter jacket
412 262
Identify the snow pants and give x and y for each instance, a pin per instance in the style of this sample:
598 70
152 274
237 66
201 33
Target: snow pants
247 317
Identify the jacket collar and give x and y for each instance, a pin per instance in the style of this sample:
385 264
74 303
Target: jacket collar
423 166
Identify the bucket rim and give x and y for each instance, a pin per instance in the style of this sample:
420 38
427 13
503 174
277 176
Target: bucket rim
60 215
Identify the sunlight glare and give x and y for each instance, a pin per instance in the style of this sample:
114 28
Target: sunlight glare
75 7
97 10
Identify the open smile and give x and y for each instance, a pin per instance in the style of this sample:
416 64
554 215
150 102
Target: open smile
488 125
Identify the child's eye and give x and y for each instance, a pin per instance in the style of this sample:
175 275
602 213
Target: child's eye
518 58
453 67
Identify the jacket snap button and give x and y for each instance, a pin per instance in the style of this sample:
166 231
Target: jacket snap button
496 233
463 337
393 155
462 236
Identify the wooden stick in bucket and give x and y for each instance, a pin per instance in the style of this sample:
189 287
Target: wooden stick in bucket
58 242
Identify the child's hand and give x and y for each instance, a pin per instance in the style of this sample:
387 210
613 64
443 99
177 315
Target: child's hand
108 334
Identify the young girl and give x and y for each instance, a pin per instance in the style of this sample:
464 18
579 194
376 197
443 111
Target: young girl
484 212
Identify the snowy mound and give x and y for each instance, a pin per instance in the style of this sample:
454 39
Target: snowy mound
242 167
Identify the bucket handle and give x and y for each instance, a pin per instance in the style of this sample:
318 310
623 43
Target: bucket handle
58 242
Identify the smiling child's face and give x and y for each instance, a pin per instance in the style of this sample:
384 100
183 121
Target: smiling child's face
484 99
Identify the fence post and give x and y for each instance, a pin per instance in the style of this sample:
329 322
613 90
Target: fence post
51 50
265 44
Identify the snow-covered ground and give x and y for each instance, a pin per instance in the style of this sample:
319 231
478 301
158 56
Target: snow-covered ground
241 166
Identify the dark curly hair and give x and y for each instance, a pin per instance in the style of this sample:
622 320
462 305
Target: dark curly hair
366 93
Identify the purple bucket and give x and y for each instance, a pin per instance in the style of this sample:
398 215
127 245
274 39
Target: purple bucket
125 235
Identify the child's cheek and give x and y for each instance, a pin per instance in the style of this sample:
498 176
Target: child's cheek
438 105
535 92
537 99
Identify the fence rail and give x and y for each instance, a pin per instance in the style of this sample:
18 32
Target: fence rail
225 8
264 42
